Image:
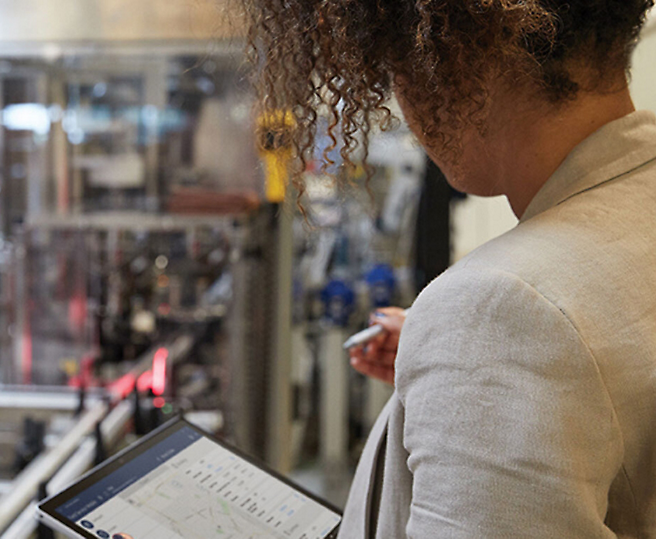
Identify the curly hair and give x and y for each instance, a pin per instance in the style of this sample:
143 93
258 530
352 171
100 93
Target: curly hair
343 57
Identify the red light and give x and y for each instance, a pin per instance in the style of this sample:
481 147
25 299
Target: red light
159 371
123 386
145 382
26 363
159 402
77 312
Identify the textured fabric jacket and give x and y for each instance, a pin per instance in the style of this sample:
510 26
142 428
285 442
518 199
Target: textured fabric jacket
525 402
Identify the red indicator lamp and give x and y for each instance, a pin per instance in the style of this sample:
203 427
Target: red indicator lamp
159 402
154 378
145 381
159 371
123 386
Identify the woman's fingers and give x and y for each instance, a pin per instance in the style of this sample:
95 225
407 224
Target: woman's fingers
376 358
373 353
381 372
380 353
390 311
380 367
391 318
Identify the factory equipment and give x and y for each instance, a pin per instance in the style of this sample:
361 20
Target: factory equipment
177 309
152 262
103 289
111 206
130 238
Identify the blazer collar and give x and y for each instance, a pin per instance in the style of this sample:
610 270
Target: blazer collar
616 149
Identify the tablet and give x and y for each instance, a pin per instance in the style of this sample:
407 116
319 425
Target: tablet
179 482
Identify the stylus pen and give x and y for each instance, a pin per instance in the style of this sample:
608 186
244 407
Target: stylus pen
365 335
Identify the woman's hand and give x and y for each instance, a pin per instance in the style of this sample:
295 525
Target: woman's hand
376 358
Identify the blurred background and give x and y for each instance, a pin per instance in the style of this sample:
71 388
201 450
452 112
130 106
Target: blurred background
152 262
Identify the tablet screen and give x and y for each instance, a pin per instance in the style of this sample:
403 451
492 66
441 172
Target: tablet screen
189 486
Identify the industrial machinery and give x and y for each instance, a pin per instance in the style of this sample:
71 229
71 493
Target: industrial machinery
130 234
152 262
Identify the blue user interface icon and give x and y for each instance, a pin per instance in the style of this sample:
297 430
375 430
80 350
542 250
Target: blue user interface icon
88 525
103 534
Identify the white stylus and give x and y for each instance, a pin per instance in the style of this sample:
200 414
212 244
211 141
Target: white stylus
364 336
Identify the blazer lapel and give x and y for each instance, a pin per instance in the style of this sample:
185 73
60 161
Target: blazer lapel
357 515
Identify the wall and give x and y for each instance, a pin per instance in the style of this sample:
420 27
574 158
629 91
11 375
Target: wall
643 82
477 220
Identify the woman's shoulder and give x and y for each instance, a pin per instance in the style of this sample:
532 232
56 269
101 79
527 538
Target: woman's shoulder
561 254
514 259
468 292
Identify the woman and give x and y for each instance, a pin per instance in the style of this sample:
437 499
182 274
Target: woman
525 402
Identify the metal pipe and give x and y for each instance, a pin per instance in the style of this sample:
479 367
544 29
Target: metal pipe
111 428
15 397
26 484
80 461
23 526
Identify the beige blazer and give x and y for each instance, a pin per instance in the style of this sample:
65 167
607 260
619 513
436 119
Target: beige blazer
525 402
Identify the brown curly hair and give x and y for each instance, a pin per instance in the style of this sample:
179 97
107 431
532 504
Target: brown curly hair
342 58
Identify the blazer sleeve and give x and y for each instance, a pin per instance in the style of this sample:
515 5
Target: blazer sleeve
509 428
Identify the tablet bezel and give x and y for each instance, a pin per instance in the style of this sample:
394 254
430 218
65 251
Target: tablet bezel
48 506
